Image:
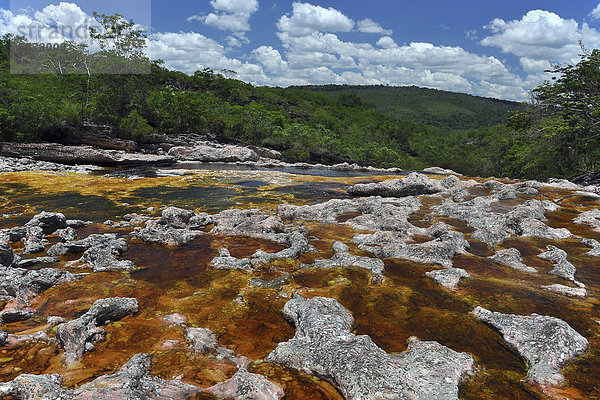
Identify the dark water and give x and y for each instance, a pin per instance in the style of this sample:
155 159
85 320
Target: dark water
193 166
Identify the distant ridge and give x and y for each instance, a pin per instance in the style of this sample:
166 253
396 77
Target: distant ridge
439 108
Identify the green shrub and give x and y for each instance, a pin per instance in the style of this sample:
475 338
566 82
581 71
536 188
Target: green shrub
135 127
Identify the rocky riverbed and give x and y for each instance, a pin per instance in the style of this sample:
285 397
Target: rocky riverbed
184 283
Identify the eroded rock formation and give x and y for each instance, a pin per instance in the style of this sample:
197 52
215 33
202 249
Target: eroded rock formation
547 343
323 345
79 335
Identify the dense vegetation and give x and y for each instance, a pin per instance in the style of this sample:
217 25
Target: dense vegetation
439 108
560 134
405 127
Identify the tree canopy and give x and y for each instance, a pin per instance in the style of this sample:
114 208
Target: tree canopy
560 133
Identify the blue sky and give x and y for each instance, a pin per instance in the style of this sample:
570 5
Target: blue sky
489 48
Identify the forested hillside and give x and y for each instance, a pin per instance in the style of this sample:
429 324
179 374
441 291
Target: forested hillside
439 108
410 128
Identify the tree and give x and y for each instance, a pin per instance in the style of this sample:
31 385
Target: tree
119 86
117 35
565 116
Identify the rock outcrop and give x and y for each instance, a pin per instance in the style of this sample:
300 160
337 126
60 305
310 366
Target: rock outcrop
49 222
259 225
412 185
512 258
34 387
57 153
11 164
594 244
175 227
494 227
15 340
19 286
343 259
250 223
246 386
213 153
590 218
204 340
562 268
79 335
296 240
323 345
33 233
547 343
100 252
444 246
133 381
566 290
328 211
7 256
448 277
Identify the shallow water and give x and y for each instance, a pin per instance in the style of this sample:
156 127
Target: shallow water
170 280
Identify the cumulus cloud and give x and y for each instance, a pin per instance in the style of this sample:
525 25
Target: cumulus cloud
541 38
387 43
314 51
52 24
307 18
235 6
369 26
595 14
188 51
229 15
237 39
271 59
537 33
66 14
320 56
191 51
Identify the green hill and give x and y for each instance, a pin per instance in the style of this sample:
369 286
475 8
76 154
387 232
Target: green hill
405 127
439 108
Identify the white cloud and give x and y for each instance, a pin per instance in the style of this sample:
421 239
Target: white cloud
189 51
52 24
237 39
271 59
471 34
534 66
316 57
387 43
235 6
369 26
307 18
541 36
229 15
595 14
537 33
539 39
65 14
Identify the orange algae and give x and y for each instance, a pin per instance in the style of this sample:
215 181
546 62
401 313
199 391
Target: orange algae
249 320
